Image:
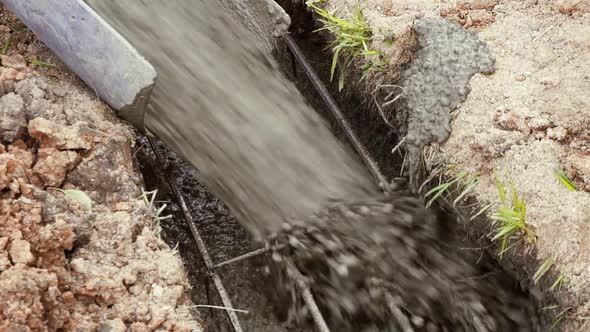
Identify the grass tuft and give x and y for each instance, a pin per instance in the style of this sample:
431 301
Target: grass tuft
351 41
567 182
558 320
461 183
149 198
510 220
557 284
481 211
543 269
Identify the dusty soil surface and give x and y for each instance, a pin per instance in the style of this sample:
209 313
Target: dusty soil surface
531 118
67 263
528 119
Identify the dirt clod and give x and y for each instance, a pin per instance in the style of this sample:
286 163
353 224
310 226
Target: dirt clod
14 121
20 252
54 135
16 61
52 166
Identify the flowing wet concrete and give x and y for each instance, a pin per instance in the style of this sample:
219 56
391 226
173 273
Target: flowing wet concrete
223 237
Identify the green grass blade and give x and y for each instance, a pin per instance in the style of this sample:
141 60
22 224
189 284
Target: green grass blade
334 62
501 189
351 38
482 210
438 193
369 53
470 186
542 270
557 284
6 45
560 317
504 232
440 187
565 180
78 196
506 249
550 307
503 247
367 68
42 64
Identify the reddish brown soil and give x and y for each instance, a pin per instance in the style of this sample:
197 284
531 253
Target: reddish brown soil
65 266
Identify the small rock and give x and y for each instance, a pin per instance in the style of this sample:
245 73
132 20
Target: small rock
129 279
114 325
571 7
477 4
69 298
481 17
79 265
20 252
159 314
53 72
53 165
135 289
550 82
7 74
157 291
122 206
539 123
91 284
8 86
142 312
558 133
520 77
16 61
508 121
13 121
4 261
51 134
578 167
139 327
3 243
60 91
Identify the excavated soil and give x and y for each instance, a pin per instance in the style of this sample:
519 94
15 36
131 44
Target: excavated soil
527 119
67 263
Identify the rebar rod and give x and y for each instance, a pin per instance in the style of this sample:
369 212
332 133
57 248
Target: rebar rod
233 317
307 295
248 255
335 110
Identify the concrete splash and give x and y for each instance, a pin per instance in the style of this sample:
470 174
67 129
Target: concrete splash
222 104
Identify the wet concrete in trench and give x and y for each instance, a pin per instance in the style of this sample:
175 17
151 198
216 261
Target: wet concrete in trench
225 238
